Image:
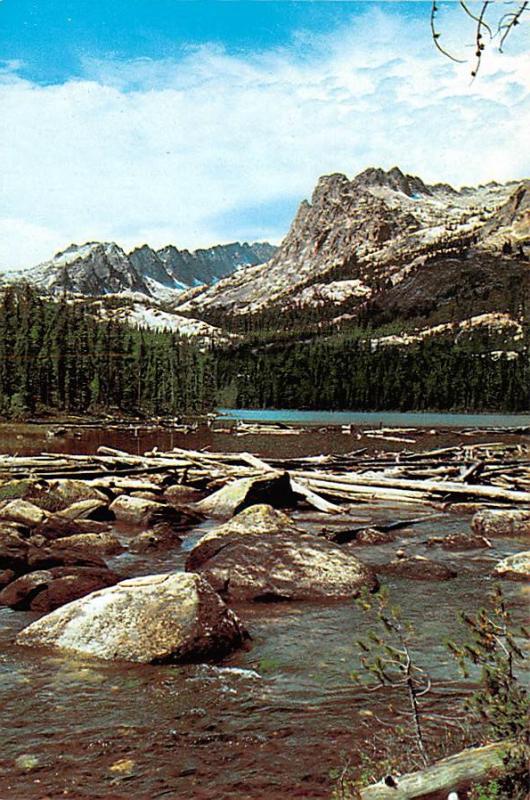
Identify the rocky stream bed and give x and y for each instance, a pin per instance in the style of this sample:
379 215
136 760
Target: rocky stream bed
262 704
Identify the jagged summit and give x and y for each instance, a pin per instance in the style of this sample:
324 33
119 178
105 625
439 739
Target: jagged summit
100 268
394 179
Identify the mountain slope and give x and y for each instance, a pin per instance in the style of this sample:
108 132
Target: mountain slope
357 239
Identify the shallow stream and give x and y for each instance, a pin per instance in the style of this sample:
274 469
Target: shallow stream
270 722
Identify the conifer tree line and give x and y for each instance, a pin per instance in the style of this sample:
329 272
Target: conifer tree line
58 356
348 373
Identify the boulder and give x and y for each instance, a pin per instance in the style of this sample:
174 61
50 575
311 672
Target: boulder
14 544
138 511
259 519
23 512
161 537
174 617
20 592
459 541
13 534
144 495
6 576
181 495
502 522
72 491
417 568
514 568
92 508
104 543
261 556
45 590
58 527
71 583
273 489
55 555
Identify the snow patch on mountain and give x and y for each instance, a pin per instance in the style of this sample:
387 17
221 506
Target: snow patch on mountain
498 323
335 292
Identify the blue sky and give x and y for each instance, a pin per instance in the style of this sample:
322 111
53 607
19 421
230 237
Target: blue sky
199 122
53 37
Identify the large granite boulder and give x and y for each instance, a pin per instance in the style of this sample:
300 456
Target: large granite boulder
175 617
514 568
274 489
261 556
502 522
258 519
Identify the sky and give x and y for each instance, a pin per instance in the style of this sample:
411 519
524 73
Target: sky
208 121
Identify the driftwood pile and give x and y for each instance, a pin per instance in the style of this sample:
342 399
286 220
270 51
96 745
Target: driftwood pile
487 474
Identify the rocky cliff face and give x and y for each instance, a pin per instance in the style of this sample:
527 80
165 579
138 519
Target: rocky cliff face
359 237
209 265
93 268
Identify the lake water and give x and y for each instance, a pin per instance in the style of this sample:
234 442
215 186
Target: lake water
385 418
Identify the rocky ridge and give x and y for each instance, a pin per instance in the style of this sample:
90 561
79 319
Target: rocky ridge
102 268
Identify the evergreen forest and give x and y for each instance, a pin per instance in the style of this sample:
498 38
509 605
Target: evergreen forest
61 357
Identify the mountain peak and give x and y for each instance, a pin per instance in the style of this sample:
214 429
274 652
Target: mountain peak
395 179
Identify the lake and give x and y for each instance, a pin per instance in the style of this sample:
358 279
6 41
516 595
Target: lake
385 418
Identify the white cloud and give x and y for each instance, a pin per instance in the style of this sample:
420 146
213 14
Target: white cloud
163 151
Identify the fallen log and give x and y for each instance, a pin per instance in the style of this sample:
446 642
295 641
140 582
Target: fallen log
376 481
314 499
452 774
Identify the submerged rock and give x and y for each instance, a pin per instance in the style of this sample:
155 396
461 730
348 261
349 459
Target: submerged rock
417 568
502 522
157 618
514 568
161 537
373 536
261 556
274 489
459 541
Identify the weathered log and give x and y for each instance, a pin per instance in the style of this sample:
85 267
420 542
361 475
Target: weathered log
452 774
429 487
314 499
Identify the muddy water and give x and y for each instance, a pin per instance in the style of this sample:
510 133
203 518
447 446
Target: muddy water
269 722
